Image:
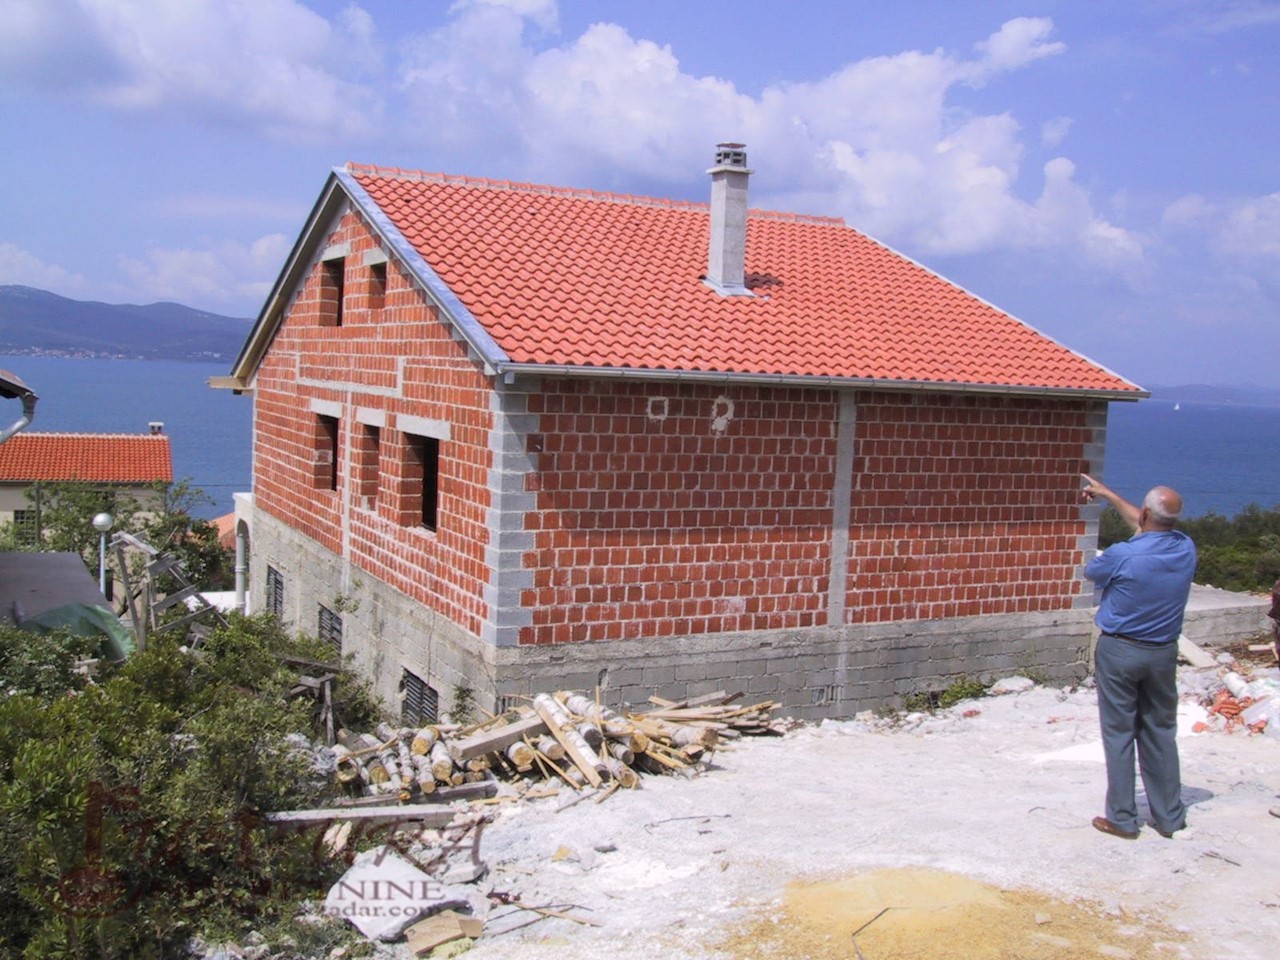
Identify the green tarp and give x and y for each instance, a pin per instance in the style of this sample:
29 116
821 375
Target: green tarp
87 620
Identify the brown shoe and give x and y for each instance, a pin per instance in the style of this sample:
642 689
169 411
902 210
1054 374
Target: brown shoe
1106 826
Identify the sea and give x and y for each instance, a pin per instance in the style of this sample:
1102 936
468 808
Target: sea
209 430
1221 457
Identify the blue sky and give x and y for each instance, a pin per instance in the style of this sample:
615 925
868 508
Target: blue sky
1109 172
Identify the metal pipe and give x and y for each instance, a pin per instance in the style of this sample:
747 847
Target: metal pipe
241 569
10 387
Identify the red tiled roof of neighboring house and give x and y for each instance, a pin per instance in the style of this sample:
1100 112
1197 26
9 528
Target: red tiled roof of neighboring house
226 527
89 457
585 279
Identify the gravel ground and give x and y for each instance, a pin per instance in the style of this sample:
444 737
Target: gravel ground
998 790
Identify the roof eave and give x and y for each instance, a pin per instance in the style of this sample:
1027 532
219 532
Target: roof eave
510 371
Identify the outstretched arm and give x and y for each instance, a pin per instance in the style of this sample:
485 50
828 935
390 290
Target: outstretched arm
1093 489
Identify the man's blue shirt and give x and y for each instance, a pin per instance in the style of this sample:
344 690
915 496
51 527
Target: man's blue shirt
1145 582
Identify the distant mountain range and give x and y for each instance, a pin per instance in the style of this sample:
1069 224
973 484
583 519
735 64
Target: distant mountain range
38 323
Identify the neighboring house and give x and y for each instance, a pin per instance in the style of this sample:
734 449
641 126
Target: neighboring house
132 463
511 437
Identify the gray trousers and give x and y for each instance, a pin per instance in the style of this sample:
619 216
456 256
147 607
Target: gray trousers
1138 704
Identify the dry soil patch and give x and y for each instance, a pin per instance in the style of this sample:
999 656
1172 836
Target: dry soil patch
921 914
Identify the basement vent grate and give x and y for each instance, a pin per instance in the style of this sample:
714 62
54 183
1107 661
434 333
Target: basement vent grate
821 695
421 701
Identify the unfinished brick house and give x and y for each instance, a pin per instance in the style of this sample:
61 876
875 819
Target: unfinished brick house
511 437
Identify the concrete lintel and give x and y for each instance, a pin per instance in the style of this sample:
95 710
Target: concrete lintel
326 408
424 427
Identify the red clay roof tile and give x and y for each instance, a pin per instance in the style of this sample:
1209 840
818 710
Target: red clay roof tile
558 276
89 457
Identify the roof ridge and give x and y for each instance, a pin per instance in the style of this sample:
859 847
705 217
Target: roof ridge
105 436
575 193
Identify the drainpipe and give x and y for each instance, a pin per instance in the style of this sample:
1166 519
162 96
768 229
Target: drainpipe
242 569
10 388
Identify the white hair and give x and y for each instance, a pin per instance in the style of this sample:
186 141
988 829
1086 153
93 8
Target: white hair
1157 502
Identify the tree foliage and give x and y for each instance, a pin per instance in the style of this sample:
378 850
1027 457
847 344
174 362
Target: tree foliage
130 808
1235 553
166 522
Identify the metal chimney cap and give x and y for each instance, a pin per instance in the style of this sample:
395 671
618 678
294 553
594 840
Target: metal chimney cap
156 426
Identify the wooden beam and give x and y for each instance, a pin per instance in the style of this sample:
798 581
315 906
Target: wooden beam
572 749
427 815
496 738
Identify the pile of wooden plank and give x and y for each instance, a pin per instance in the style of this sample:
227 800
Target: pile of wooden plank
568 738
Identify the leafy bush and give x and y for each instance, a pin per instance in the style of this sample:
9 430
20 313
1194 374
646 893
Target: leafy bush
42 665
166 522
130 810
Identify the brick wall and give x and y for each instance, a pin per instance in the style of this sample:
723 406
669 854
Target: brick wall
666 511
965 505
390 362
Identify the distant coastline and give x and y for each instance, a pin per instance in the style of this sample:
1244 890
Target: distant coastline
1249 395
11 351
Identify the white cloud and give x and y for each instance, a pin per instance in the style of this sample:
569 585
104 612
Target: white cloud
545 13
1053 132
881 141
1064 212
1242 232
1252 230
1018 42
266 64
18 266
1225 16
878 141
222 275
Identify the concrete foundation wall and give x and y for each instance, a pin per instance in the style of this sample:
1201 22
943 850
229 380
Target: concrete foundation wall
1220 618
384 630
814 672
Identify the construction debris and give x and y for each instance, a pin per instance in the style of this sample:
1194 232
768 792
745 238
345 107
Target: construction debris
443 927
569 738
1235 701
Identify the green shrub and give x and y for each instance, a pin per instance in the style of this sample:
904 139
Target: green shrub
130 810
43 665
963 688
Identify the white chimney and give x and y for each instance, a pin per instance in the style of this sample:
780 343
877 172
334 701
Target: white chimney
727 252
156 426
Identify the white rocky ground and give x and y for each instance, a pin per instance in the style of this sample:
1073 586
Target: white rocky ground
999 789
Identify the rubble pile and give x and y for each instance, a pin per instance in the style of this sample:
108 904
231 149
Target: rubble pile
568 738
1240 702
417 882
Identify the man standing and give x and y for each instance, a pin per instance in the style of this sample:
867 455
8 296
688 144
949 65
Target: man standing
1145 582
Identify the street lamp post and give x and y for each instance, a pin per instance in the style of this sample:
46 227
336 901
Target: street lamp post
102 523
